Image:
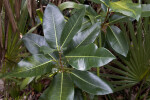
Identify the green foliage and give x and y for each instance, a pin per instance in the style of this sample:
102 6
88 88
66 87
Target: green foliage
126 8
105 2
117 40
85 79
145 10
78 41
52 26
85 57
61 89
135 68
48 52
72 27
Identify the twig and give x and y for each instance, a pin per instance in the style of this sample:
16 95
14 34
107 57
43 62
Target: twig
105 18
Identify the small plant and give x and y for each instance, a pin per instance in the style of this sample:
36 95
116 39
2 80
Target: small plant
65 52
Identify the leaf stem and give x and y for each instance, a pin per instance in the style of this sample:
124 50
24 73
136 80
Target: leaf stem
106 17
60 60
98 71
100 45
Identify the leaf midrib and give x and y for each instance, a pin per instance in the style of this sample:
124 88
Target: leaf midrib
32 67
39 47
86 36
85 80
70 31
55 32
125 8
117 19
85 57
61 86
104 3
116 38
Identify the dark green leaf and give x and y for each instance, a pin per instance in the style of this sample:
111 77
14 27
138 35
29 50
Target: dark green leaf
78 95
26 81
86 25
90 83
32 66
70 4
105 2
129 1
126 8
87 36
61 88
145 10
33 42
90 11
72 27
46 50
33 28
40 14
117 18
86 57
53 23
117 40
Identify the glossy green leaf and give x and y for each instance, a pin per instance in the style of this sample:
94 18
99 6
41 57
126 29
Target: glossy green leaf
70 4
126 8
86 57
87 36
53 23
47 50
90 83
61 88
86 25
33 28
90 11
117 18
72 27
117 40
145 10
40 14
32 66
105 2
33 42
129 1
26 81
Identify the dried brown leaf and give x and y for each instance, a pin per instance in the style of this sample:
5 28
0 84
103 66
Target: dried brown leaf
10 15
17 8
29 7
1 3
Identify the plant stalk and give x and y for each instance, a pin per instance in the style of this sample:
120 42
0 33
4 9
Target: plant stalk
60 61
100 45
106 18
